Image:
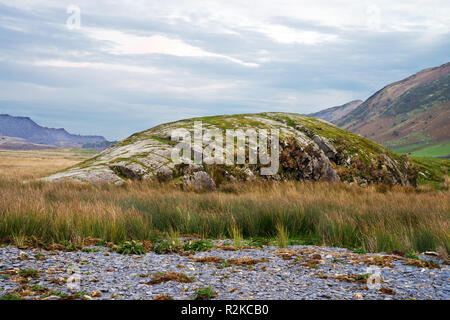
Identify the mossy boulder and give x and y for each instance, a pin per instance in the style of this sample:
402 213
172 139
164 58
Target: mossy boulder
310 149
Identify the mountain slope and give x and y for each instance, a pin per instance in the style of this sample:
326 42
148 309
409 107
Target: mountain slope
411 115
12 143
310 149
334 114
33 134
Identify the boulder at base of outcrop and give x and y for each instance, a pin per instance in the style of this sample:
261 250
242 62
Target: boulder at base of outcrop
199 180
305 163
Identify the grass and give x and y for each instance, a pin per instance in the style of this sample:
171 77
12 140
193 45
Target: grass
374 219
425 149
34 164
236 234
10 297
435 171
437 150
283 236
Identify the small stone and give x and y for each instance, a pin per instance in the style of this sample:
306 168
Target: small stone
96 294
358 295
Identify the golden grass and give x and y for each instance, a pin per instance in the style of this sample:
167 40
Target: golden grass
35 164
374 218
210 259
245 261
170 276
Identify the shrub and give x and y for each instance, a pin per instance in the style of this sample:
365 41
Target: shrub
360 251
411 255
364 276
29 273
205 294
199 245
131 247
168 246
258 242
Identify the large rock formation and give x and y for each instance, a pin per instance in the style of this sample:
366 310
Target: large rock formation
310 149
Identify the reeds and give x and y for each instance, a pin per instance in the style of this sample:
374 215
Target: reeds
372 218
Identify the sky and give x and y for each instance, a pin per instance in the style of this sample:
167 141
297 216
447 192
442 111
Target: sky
117 67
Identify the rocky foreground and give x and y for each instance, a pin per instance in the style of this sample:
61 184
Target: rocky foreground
298 272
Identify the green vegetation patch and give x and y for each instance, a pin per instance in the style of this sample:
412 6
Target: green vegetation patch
29 273
199 245
168 246
205 294
432 170
131 247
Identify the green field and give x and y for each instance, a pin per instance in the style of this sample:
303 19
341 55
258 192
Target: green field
425 149
433 170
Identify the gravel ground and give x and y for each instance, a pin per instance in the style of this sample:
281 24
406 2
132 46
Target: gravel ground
298 272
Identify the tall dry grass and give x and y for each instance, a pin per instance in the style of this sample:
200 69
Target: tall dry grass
375 218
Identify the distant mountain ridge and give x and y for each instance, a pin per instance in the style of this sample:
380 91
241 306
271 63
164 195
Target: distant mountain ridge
334 114
31 135
410 115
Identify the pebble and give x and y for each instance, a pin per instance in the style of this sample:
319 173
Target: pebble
96 275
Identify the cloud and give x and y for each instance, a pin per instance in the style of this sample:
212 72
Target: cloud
135 64
96 66
286 35
128 44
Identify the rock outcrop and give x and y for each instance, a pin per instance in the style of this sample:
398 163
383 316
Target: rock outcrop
309 149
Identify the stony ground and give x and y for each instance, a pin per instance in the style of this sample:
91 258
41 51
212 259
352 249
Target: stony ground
298 272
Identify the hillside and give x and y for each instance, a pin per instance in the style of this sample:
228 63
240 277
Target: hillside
334 114
12 143
22 133
310 149
411 115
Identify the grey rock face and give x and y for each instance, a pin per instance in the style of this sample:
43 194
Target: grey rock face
131 171
324 170
309 163
199 180
164 174
325 146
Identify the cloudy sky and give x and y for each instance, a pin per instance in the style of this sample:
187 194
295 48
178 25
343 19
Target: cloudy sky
125 66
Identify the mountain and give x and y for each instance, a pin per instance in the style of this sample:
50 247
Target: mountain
11 143
334 114
309 149
411 115
24 133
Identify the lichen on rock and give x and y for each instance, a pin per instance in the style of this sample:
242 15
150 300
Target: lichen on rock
310 149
